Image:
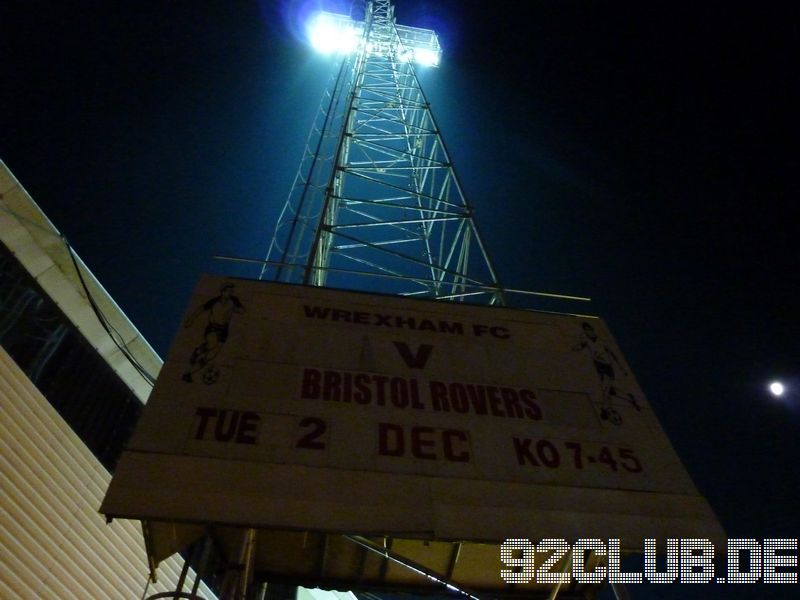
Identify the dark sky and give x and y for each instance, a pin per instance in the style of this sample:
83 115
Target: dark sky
644 154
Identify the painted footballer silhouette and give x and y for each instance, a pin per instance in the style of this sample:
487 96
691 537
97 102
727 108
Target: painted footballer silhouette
605 361
220 310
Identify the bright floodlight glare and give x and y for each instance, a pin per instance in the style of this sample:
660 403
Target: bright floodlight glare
777 388
425 57
422 56
331 34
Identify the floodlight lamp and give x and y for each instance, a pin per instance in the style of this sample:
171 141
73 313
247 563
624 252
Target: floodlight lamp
427 57
419 45
422 56
330 33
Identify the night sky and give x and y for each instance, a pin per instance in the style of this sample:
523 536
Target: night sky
644 154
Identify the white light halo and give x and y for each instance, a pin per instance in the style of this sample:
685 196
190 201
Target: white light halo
776 388
425 57
333 34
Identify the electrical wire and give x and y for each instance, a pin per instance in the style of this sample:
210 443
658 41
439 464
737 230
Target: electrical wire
115 335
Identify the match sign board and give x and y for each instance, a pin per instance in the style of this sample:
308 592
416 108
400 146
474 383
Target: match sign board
292 408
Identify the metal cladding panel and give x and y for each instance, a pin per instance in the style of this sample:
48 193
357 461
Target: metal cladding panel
53 542
310 409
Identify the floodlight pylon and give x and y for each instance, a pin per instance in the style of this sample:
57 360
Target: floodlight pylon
376 204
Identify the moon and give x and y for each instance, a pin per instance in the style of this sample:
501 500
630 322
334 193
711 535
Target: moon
777 388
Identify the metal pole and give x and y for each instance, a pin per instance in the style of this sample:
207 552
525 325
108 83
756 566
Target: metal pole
246 562
620 591
565 568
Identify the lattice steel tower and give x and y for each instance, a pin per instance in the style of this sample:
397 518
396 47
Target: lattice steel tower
376 203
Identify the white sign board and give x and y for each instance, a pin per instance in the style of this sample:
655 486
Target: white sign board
314 409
